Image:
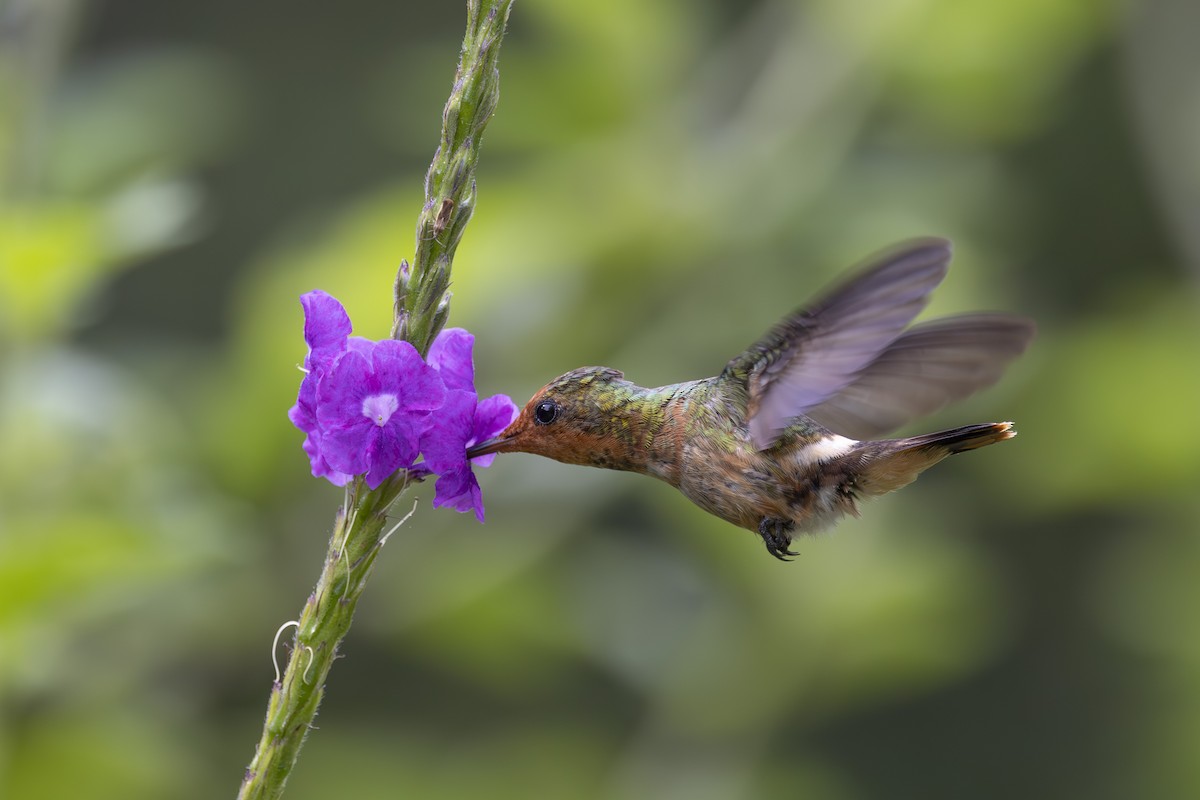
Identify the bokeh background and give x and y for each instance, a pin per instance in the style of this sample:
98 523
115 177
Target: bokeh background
662 181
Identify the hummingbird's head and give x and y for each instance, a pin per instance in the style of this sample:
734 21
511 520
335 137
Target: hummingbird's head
571 419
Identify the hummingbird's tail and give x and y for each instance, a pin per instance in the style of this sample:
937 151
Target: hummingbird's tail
892 463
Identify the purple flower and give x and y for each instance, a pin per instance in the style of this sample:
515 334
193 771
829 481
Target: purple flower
371 409
326 330
461 422
361 404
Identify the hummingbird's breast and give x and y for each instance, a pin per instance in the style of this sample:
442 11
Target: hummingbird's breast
803 479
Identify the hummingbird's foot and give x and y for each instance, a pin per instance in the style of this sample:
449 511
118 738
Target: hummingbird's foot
776 535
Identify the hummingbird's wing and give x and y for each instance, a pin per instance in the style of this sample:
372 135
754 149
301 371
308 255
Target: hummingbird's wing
930 365
819 350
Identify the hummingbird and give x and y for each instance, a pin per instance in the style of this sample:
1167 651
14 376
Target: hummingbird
785 439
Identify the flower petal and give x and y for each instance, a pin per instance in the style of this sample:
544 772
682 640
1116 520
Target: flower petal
492 416
326 326
301 414
447 430
320 467
459 490
450 355
360 344
399 369
392 447
346 447
345 432
341 391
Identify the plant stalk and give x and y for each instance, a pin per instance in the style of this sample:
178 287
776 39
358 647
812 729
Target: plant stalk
422 301
422 293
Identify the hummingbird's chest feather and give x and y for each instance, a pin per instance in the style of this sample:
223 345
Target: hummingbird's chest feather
806 479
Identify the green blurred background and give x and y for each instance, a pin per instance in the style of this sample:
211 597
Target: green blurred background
662 181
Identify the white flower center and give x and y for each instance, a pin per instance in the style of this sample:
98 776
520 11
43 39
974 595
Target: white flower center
380 407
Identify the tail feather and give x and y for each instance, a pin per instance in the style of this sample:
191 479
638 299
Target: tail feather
956 440
893 463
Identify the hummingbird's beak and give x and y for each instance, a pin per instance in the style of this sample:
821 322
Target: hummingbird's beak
497 444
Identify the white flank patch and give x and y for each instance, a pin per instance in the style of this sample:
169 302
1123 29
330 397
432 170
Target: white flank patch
825 449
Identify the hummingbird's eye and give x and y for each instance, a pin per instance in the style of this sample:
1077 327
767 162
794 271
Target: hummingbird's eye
545 412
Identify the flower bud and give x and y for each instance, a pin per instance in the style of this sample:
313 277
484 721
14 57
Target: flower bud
400 291
441 315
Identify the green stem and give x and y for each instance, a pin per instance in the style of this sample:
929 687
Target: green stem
421 305
323 624
422 296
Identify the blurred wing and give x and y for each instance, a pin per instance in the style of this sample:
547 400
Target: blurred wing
819 350
930 365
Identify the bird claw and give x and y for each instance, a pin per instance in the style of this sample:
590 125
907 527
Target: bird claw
775 535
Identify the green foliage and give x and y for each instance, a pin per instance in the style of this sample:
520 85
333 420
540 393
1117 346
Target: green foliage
661 181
